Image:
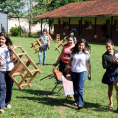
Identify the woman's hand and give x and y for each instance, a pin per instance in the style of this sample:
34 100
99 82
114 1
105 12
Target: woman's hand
115 61
55 64
89 76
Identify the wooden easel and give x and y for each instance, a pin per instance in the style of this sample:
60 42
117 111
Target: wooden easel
61 43
57 38
37 44
22 66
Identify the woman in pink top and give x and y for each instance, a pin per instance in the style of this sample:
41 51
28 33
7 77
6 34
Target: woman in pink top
64 57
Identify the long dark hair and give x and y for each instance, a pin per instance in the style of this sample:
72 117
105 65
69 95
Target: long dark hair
8 40
87 46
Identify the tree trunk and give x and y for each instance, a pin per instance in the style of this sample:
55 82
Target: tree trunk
29 29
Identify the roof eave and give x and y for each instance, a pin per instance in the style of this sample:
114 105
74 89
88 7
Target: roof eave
80 16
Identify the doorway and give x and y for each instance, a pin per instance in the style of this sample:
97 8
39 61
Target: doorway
108 28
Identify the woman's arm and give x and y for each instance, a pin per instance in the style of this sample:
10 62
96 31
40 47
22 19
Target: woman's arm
89 69
59 59
12 56
107 64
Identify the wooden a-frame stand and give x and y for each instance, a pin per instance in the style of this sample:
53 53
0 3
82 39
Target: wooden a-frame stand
61 43
37 44
57 38
21 68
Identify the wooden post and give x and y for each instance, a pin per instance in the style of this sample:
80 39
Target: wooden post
69 25
59 26
81 25
49 25
95 26
41 25
111 25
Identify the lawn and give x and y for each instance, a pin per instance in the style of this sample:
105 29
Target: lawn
34 103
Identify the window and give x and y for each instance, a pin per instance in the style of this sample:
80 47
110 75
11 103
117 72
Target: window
88 24
65 24
116 24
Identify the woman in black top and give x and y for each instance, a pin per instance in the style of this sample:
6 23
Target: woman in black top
110 63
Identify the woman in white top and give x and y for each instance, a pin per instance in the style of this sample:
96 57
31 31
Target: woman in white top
80 57
6 65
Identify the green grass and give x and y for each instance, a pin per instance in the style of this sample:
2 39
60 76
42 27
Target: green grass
33 102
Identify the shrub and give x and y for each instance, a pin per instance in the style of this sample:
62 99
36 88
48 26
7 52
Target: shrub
16 31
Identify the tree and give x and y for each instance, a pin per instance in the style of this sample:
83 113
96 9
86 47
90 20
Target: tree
53 4
31 9
10 7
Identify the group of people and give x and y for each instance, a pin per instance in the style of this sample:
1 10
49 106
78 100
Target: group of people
74 53
77 55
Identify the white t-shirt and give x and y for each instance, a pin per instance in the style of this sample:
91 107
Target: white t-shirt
79 61
5 62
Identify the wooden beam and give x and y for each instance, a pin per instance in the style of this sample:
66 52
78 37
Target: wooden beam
95 26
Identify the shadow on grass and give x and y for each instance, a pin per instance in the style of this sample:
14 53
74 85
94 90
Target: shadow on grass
41 92
43 65
43 97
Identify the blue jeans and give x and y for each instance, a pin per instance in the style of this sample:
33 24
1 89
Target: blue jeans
44 56
6 84
78 84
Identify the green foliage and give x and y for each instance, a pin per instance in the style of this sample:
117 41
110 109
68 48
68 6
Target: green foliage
58 3
11 7
16 31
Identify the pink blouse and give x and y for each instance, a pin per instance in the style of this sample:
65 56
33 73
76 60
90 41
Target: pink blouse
66 54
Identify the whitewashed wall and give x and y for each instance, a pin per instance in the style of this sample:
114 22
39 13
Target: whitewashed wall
23 23
4 21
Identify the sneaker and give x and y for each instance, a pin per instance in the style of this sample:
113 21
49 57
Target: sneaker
8 106
39 64
44 64
1 111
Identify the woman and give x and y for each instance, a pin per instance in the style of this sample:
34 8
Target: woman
64 57
46 39
110 63
72 33
79 59
6 65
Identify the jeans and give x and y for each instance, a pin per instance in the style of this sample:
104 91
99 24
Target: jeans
78 84
44 56
6 84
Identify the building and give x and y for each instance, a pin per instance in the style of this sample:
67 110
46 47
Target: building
88 18
3 22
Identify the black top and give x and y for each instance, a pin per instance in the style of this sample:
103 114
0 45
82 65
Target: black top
107 61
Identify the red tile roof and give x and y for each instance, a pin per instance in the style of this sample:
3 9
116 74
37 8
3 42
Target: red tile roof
81 9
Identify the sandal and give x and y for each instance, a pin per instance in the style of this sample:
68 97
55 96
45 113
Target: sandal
110 107
79 107
8 106
74 104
